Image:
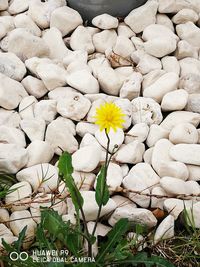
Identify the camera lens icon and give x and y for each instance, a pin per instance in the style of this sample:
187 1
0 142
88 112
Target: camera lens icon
22 256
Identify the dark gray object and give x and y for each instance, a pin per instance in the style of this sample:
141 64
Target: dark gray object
91 8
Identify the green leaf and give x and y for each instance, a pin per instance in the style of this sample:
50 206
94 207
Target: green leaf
18 244
102 192
66 170
65 164
53 222
114 236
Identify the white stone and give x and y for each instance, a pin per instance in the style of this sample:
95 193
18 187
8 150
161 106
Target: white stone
77 66
174 169
184 16
24 21
165 229
176 206
193 212
74 107
12 66
173 185
47 201
138 43
148 155
124 30
33 128
60 134
184 133
55 43
4 5
123 201
83 81
152 77
189 32
123 47
2 31
138 132
193 188
158 31
185 49
161 154
131 153
131 86
186 153
190 82
135 215
141 17
11 135
78 55
52 75
190 66
18 6
11 92
83 180
156 132
105 22
158 197
89 139
20 193
42 177
175 100
194 172
88 163
60 93
26 107
164 20
116 139
146 110
46 110
126 107
177 117
160 47
104 40
109 81
114 176
171 64
145 62
12 158
65 19
81 39
96 63
41 12
4 215
165 84
8 22
145 172
174 6
32 64
82 128
32 46
91 208
39 152
17 224
34 86
193 103
9 118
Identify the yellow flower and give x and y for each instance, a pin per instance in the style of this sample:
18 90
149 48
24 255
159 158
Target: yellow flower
109 116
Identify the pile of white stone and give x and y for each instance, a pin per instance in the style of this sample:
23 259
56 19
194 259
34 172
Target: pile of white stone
55 72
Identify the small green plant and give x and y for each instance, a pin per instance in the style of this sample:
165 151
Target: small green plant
55 234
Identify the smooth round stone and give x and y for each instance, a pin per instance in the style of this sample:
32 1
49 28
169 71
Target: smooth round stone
186 153
173 185
184 133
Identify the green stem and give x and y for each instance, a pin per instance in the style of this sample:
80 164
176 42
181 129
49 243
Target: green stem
106 169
